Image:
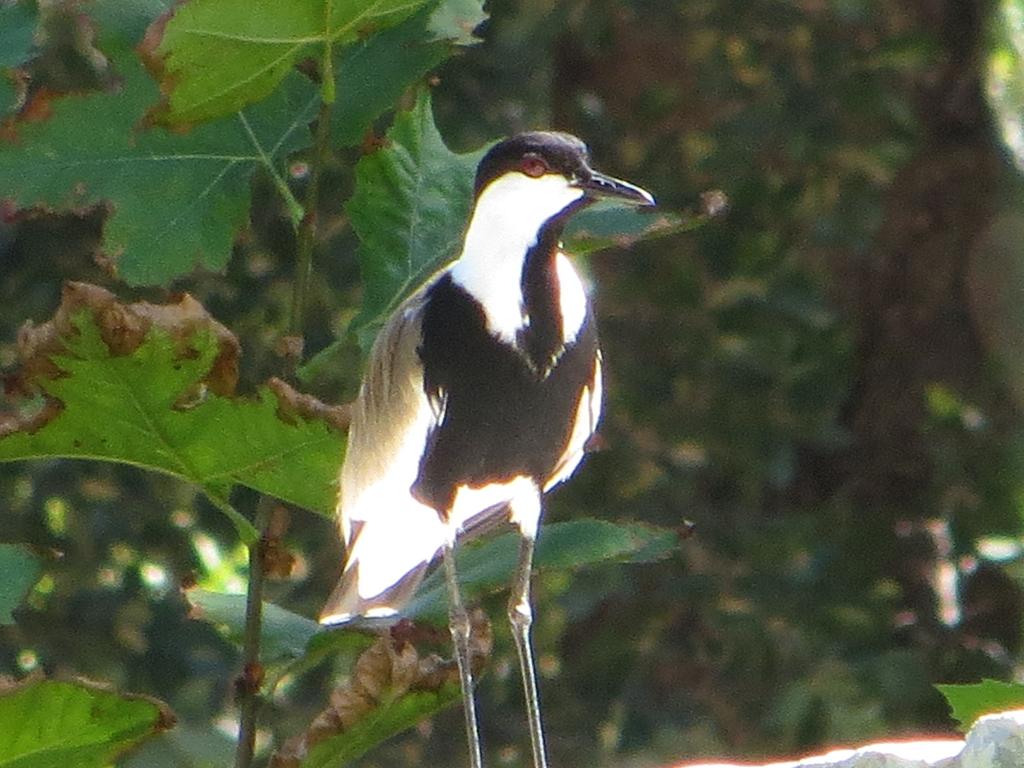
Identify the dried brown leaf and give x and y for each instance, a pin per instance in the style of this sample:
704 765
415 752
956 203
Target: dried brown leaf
123 328
293 405
275 557
384 672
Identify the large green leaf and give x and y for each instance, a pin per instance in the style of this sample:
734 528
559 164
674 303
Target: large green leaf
969 702
484 566
19 570
372 74
487 566
45 723
411 202
283 634
135 409
177 200
220 55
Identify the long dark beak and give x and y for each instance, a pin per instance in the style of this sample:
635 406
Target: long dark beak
599 186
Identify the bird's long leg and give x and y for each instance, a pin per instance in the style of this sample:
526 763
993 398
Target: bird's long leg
520 615
458 623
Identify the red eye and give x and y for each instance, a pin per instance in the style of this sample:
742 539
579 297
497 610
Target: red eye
533 166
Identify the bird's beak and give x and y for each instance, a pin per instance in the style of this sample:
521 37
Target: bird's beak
599 186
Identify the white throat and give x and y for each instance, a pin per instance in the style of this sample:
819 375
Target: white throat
508 215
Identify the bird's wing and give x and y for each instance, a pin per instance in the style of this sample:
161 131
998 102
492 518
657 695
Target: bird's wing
588 413
390 419
390 537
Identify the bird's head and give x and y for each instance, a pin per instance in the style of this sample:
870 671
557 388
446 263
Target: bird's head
545 174
527 186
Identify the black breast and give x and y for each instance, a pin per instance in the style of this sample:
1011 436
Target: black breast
501 417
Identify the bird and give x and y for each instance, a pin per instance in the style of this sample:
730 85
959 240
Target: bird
480 394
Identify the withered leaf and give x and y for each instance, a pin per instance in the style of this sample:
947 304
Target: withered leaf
153 385
392 686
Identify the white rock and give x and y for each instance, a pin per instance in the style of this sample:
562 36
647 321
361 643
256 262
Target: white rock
995 741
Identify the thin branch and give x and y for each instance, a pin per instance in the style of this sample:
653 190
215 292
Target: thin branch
248 684
251 680
308 226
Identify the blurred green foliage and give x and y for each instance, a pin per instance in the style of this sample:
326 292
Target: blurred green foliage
824 381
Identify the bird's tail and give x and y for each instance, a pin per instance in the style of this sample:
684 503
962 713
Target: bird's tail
346 604
387 557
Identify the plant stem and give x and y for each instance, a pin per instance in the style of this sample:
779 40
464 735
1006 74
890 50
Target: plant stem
307 227
249 682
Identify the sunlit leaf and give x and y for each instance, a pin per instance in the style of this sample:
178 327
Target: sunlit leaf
221 55
148 407
969 702
45 723
1005 74
19 570
457 20
177 200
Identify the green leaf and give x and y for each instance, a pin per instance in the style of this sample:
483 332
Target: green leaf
969 702
372 74
608 224
1005 75
19 570
45 723
411 203
384 722
128 409
483 567
456 20
487 566
177 200
283 634
188 745
122 23
289 643
17 30
220 55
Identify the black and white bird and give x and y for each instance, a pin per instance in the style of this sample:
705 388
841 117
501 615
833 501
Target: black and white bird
480 395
